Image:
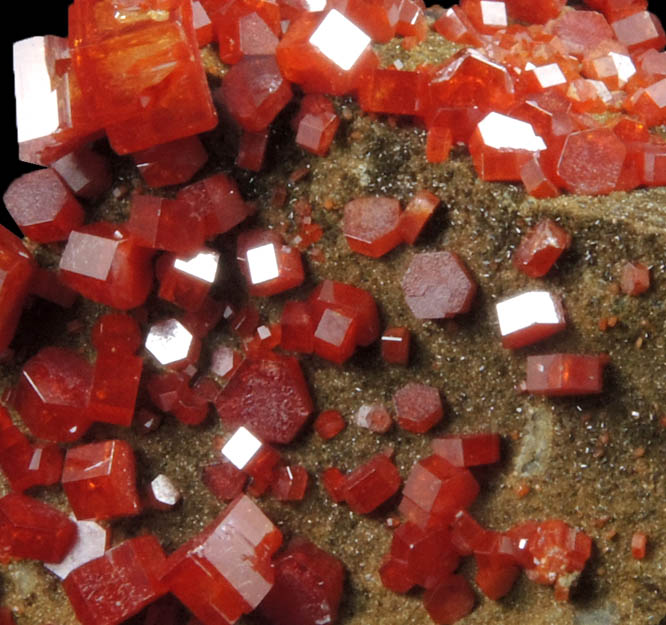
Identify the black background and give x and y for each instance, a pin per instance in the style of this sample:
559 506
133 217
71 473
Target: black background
49 17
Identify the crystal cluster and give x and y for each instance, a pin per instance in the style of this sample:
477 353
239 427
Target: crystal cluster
559 99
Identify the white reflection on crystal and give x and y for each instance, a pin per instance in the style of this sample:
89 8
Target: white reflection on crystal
36 459
91 542
165 491
493 13
241 448
36 100
549 75
624 65
88 255
169 341
202 265
526 310
340 40
507 133
262 263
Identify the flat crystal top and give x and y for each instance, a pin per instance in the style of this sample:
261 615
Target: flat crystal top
493 13
91 543
340 40
525 310
262 263
37 113
169 341
241 448
164 490
624 65
202 266
507 133
89 255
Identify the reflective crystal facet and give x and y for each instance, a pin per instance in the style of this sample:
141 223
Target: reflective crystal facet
565 374
92 540
371 225
529 317
172 344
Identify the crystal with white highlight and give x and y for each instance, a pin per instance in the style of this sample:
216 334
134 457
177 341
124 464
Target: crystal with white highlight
507 133
241 448
169 341
529 317
202 265
91 542
262 263
164 491
340 40
493 13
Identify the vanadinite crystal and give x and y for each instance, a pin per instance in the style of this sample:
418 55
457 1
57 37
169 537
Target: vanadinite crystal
32 529
308 586
418 407
226 570
540 248
565 374
438 285
530 317
371 225
269 395
117 585
99 480
371 484
52 395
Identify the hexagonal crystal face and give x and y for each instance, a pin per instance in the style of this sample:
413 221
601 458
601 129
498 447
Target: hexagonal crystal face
262 263
165 491
340 40
241 448
493 13
169 341
91 542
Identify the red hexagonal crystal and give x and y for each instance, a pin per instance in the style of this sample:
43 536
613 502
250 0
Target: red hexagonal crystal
392 91
487 16
638 545
114 388
297 327
371 225
290 483
225 571
26 465
418 407
329 424
334 482
311 53
32 529
395 345
268 264
269 395
254 92
455 25
500 145
335 336
435 491
316 124
52 394
540 248
103 263
349 300
186 279
110 589
374 417
449 601
99 480
468 450
534 12
16 272
635 278
116 332
565 374
371 484
428 554
529 317
171 163
218 201
165 224
42 206
416 214
224 480
308 586
86 172
495 580
437 285
581 31
162 93
471 79
591 161
640 31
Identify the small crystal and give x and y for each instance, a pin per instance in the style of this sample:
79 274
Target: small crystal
171 343
529 317
92 540
333 29
164 492
241 448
